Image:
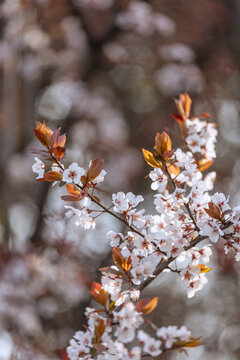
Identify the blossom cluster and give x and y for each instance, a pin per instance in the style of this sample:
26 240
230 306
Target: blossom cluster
186 214
77 180
111 337
199 135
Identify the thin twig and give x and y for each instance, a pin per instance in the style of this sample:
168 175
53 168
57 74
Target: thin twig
172 270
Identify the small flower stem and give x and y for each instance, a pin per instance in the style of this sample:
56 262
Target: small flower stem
151 324
175 271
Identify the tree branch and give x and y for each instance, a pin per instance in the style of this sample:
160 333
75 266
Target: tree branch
164 265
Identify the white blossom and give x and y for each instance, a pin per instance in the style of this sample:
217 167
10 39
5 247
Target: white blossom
80 217
73 174
212 230
124 202
171 334
112 286
120 202
38 168
114 238
100 177
159 180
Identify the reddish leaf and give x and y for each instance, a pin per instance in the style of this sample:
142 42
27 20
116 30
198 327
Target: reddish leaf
204 164
43 133
173 169
149 158
54 138
168 154
53 176
74 194
213 211
162 143
98 331
178 118
64 355
99 294
206 115
95 288
124 263
70 198
59 152
147 305
62 140
184 105
73 190
117 256
103 297
57 139
95 169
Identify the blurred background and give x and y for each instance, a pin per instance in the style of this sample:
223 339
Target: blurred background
107 71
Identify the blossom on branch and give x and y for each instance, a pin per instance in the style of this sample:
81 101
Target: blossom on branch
73 174
124 202
168 240
38 168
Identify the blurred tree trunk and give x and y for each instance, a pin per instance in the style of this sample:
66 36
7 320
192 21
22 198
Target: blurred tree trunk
233 7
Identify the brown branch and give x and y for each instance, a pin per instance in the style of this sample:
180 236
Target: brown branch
164 265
